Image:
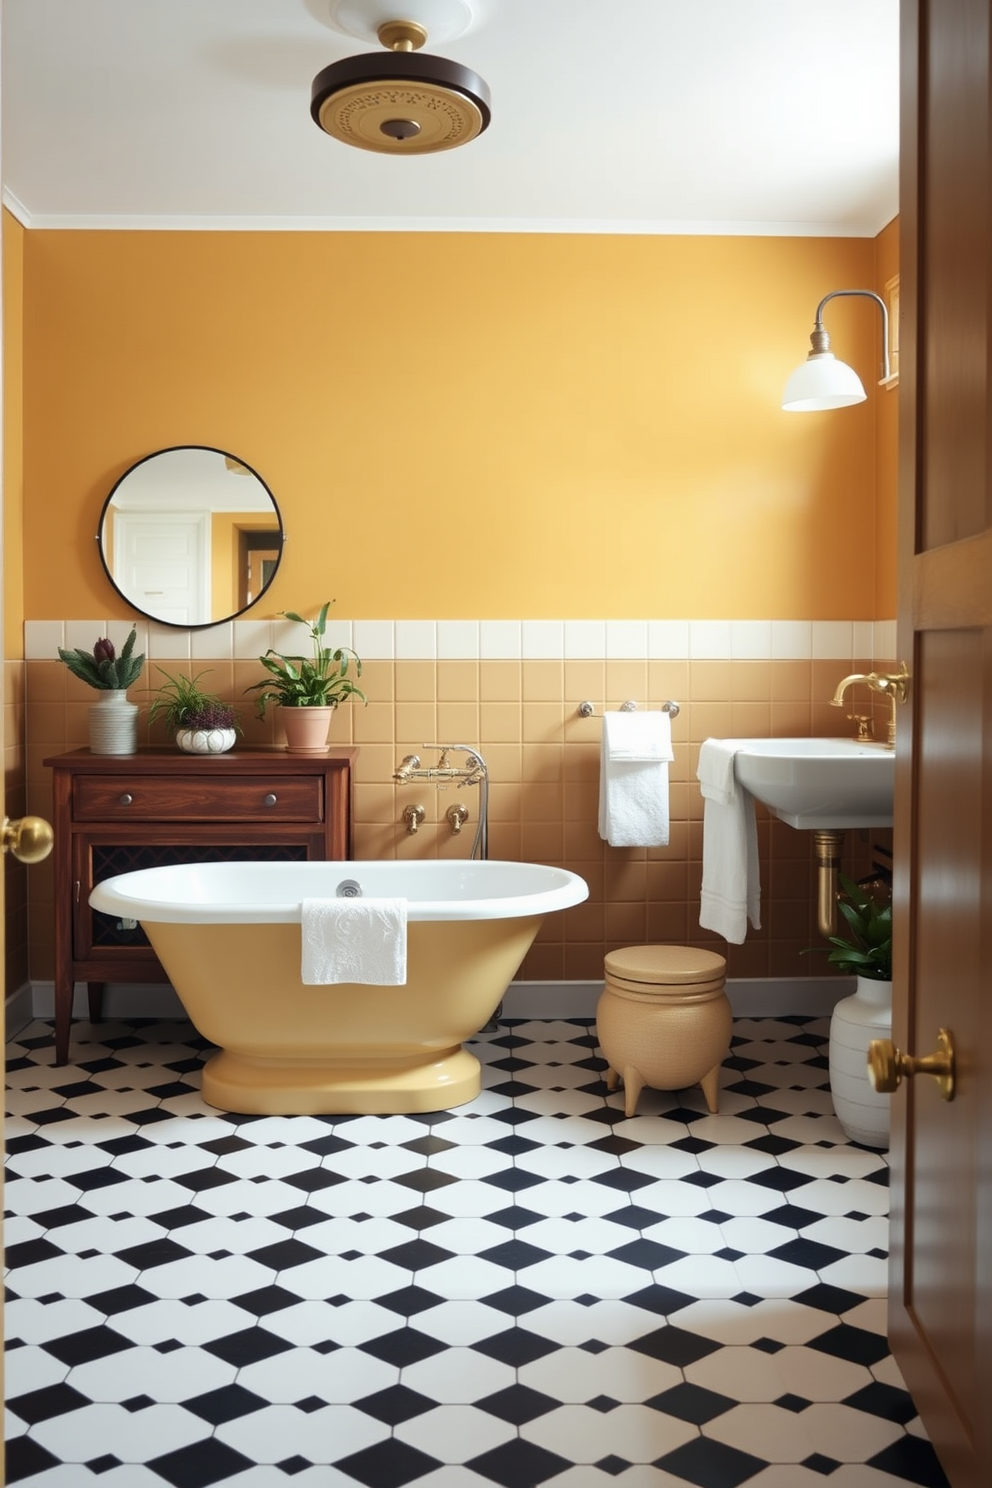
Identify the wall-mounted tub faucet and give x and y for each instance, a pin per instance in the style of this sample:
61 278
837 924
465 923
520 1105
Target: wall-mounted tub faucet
457 816
413 816
474 771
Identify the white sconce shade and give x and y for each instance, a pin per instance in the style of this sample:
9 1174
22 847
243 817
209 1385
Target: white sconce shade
822 382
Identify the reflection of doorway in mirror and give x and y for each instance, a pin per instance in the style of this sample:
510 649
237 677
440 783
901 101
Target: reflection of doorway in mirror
257 559
163 561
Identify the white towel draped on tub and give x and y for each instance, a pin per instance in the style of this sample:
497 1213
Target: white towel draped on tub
354 940
731 891
633 779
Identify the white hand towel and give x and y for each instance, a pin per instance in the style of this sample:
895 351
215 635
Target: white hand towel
731 888
633 779
354 940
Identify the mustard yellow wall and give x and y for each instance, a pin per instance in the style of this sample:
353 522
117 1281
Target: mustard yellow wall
13 413
464 425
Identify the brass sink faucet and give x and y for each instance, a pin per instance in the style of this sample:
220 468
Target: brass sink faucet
893 685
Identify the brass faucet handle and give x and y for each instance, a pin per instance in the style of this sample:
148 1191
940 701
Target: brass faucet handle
865 733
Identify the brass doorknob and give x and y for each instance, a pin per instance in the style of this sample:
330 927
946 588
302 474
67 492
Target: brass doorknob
887 1065
29 839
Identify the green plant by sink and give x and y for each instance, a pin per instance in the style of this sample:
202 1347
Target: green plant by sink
866 950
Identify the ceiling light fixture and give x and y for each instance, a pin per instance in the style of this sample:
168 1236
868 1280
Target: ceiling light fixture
822 381
399 102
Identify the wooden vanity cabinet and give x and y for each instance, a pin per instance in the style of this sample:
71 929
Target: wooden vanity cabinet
117 813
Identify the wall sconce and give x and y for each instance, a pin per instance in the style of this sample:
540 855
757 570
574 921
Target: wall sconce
824 382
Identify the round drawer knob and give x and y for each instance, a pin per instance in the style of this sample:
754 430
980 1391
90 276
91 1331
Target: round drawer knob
270 800
126 799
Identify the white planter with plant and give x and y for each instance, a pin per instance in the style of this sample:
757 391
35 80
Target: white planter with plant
307 689
113 719
201 722
866 952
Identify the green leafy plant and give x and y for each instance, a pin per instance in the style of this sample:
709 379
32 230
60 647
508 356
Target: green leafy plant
102 667
182 704
866 949
318 681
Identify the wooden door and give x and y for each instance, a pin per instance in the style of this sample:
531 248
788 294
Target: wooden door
941 1277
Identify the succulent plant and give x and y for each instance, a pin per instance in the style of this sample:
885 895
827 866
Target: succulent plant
102 667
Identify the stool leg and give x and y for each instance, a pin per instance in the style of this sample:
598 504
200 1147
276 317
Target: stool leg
711 1088
632 1087
612 1078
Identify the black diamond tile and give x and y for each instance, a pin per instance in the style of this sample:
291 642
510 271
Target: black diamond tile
206 1178
424 1180
53 1219
285 1254
703 1180
791 1402
911 1460
408 1301
792 1216
746 1299
612 1465
518 1404
808 1253
86 1345
753 1088
326 1146
137 1403
224 1146
299 1218
161 1252
615 1145
817 1462
782 1179
293 1465
183 1214
772 1145
27 1458
170 1089
265 1300
395 1405
674 1346
31 1253
515 1346
691 1403
513 1116
103 1464
829 1298
603 1403
312 1180
310 1404
660 1299
30 1142
647 1253
387 1464
120 1299
883 1400
415 1255
516 1463
428 1146
515 1300
514 1255
43 1404
515 1217
856 1345
405 1346
122 1146
513 1180
51 1116
513 1145
624 1179
692 1144
421 1218
224 1404
200 1464
768 1345
96 1178
635 1217
247 1347
149 1116
710 1463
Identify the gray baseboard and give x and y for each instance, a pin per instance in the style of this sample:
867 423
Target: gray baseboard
750 997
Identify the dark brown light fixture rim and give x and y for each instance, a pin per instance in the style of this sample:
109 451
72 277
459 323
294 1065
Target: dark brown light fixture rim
399 67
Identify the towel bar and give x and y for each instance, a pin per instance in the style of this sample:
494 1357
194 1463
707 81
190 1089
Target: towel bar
588 710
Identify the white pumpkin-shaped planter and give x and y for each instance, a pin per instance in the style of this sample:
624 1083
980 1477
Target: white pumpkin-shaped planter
206 740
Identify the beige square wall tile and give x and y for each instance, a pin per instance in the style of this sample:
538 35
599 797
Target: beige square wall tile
458 723
586 681
416 681
500 723
542 722
457 681
500 681
628 680
542 681
416 725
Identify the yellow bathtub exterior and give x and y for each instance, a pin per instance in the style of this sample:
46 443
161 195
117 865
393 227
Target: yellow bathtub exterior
289 1049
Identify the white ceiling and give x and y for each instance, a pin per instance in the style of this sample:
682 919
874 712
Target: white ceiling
656 116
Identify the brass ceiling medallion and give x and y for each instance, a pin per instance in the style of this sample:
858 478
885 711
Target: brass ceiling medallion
397 102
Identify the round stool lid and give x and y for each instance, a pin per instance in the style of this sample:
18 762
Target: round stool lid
665 964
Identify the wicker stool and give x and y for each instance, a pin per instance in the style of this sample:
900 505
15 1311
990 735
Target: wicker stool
664 1020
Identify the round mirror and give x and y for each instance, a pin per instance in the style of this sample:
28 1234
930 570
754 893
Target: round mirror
190 536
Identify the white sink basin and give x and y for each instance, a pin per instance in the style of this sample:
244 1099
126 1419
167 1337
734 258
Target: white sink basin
828 784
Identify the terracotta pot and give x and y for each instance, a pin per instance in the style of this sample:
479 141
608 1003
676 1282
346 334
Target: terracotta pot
306 729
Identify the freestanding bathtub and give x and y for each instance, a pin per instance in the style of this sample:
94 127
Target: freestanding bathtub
228 936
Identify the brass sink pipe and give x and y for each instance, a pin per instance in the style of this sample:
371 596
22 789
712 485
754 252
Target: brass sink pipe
828 847
893 685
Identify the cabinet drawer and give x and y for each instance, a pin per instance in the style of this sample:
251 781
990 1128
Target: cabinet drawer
196 798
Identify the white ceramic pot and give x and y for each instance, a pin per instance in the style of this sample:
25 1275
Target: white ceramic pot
206 741
113 723
862 1111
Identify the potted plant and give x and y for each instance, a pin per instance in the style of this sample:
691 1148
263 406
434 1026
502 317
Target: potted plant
862 948
201 721
113 720
308 688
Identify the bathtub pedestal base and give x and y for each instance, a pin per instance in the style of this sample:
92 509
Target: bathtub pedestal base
255 1086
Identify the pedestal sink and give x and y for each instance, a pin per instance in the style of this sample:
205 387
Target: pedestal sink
819 784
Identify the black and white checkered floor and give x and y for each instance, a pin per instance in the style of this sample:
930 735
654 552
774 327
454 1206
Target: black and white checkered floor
528 1289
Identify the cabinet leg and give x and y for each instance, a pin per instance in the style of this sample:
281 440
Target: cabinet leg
63 1018
94 992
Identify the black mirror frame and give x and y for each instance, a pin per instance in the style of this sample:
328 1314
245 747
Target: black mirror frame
167 450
